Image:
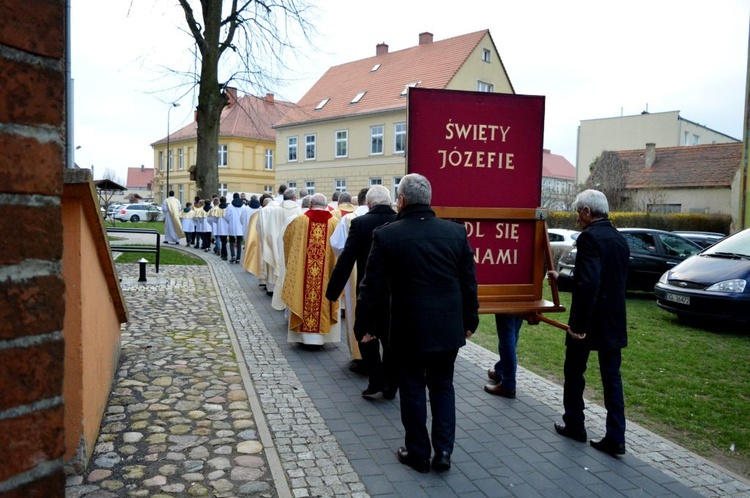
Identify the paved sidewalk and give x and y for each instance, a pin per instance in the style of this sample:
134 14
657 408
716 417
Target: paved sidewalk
210 400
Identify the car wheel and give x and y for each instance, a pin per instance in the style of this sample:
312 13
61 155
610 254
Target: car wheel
135 218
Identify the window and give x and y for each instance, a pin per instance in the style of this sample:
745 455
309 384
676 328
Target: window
399 137
486 55
292 185
309 147
396 181
181 193
483 86
686 140
696 139
321 104
170 160
664 208
268 189
342 143
375 68
310 187
409 85
269 159
376 181
339 185
376 139
161 160
223 189
223 155
358 97
291 149
180 159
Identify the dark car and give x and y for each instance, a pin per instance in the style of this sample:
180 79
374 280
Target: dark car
703 239
714 284
652 252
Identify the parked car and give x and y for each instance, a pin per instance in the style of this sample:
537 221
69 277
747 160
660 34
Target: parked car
703 239
139 212
559 237
112 209
714 284
652 252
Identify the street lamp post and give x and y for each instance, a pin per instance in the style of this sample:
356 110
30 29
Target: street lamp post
174 104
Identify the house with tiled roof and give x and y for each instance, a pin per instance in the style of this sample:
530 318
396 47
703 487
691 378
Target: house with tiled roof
140 181
349 130
247 149
696 179
667 129
558 182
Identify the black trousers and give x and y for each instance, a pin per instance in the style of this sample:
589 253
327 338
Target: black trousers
433 371
382 373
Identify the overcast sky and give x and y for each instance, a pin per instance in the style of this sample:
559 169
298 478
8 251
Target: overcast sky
590 59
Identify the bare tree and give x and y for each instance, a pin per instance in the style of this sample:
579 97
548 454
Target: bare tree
609 175
255 35
110 174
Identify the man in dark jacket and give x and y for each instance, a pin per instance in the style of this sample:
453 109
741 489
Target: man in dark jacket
420 273
597 321
357 247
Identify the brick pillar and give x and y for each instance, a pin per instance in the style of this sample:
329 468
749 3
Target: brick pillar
32 306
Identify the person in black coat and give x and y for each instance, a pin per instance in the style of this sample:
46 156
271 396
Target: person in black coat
357 248
420 274
597 321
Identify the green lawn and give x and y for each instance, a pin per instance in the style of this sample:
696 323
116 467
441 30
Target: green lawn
166 257
688 383
159 225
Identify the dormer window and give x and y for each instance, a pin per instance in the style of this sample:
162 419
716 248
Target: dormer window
358 97
409 85
322 103
375 68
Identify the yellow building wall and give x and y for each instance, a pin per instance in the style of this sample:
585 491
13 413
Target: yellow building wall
475 69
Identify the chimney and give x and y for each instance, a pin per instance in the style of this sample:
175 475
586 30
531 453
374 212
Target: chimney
650 154
269 98
142 167
381 49
425 38
231 94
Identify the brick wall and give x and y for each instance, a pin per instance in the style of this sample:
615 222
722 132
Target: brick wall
32 307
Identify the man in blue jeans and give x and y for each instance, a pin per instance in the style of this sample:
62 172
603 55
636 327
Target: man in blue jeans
503 374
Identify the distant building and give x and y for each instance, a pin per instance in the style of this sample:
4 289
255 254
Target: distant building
140 182
699 179
558 182
665 129
247 149
349 130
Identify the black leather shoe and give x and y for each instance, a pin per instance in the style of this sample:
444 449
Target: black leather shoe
371 392
500 390
419 465
492 375
609 446
576 435
441 462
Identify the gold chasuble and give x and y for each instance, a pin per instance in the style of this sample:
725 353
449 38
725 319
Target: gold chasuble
313 319
252 257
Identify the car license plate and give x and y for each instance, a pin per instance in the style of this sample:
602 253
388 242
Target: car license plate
677 299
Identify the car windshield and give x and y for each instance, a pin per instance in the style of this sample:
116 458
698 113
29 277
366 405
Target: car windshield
738 244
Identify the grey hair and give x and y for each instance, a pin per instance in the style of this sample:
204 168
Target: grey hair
378 194
318 201
594 200
290 194
306 201
415 189
345 197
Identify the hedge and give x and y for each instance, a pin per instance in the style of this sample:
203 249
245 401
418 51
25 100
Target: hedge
670 222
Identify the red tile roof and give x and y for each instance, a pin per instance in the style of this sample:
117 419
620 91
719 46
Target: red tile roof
710 165
556 166
431 64
140 177
246 117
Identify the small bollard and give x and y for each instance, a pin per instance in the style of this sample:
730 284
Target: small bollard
142 276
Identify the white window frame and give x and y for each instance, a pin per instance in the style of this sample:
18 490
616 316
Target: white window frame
269 160
376 139
170 159
181 190
291 185
396 181
223 156
292 148
268 189
310 186
180 159
223 190
310 146
341 141
339 185
376 181
399 138
486 55
483 86
161 160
